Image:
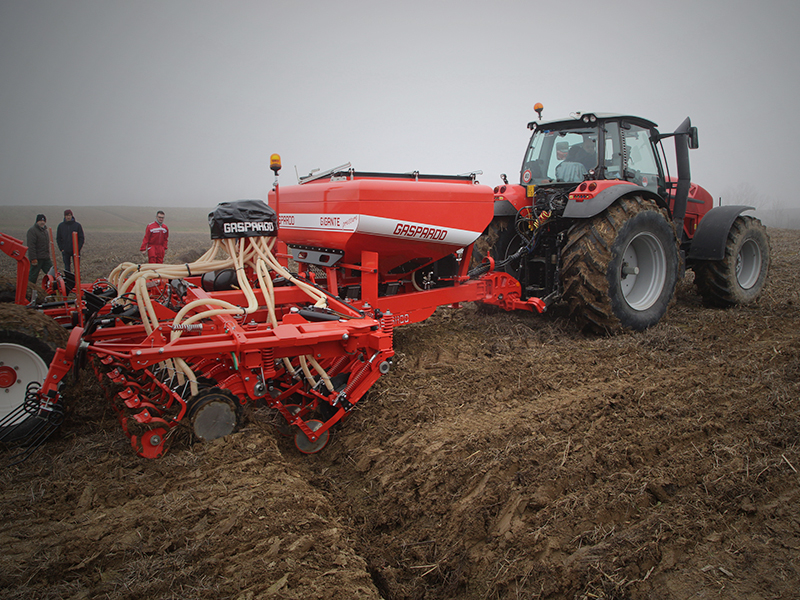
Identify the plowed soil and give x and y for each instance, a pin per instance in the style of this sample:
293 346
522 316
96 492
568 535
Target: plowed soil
503 456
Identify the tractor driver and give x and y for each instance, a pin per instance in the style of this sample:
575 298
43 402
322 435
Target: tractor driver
570 169
586 153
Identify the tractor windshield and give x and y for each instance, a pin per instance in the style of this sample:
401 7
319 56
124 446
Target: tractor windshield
566 152
565 155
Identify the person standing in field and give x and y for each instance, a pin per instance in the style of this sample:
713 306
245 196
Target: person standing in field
64 238
38 252
156 238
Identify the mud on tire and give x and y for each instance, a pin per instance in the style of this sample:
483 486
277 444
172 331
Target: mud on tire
738 278
493 241
620 268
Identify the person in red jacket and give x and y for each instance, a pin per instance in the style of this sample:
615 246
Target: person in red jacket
156 238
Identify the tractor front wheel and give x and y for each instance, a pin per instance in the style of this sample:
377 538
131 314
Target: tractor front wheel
620 268
740 276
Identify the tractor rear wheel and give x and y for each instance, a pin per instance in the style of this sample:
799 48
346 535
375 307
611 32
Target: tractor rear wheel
738 278
28 342
620 268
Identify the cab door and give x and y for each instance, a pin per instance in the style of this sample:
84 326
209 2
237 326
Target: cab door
639 162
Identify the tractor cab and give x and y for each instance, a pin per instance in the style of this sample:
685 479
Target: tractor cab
593 146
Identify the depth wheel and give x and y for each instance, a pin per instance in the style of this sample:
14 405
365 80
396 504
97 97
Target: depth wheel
213 414
28 342
305 445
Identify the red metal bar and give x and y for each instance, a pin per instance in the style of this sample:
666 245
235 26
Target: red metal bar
19 252
53 253
78 291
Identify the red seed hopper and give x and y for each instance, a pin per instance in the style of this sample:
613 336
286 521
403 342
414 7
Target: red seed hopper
411 220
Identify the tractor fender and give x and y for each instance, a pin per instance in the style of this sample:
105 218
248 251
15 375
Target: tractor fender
711 236
510 199
594 206
504 208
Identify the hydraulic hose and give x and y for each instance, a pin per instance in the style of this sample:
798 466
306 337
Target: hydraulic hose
484 268
254 253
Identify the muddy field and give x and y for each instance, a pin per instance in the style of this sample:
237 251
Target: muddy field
504 456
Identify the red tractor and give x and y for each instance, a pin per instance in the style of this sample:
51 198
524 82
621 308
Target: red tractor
598 221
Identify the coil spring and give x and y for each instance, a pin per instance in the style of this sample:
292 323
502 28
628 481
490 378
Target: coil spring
359 377
387 324
32 402
268 362
189 327
48 410
338 365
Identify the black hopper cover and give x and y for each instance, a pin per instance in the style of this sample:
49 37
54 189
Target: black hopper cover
242 218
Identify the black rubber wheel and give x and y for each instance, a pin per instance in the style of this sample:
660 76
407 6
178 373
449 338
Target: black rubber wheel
620 267
214 413
28 342
740 277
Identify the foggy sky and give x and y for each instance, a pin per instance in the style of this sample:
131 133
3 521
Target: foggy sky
181 102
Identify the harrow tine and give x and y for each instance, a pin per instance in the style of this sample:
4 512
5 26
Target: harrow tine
11 422
46 423
35 438
11 425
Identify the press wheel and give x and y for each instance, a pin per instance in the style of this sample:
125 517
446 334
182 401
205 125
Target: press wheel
305 445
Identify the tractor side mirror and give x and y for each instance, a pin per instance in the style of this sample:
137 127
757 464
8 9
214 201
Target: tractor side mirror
694 142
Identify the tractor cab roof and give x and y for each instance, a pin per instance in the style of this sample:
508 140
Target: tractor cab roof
579 119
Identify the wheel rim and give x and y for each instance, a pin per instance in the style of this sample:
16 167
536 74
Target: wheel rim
748 264
643 271
18 367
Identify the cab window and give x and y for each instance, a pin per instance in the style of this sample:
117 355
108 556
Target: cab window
612 158
638 158
563 156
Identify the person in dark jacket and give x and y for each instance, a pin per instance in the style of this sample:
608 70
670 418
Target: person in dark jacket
64 238
38 251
